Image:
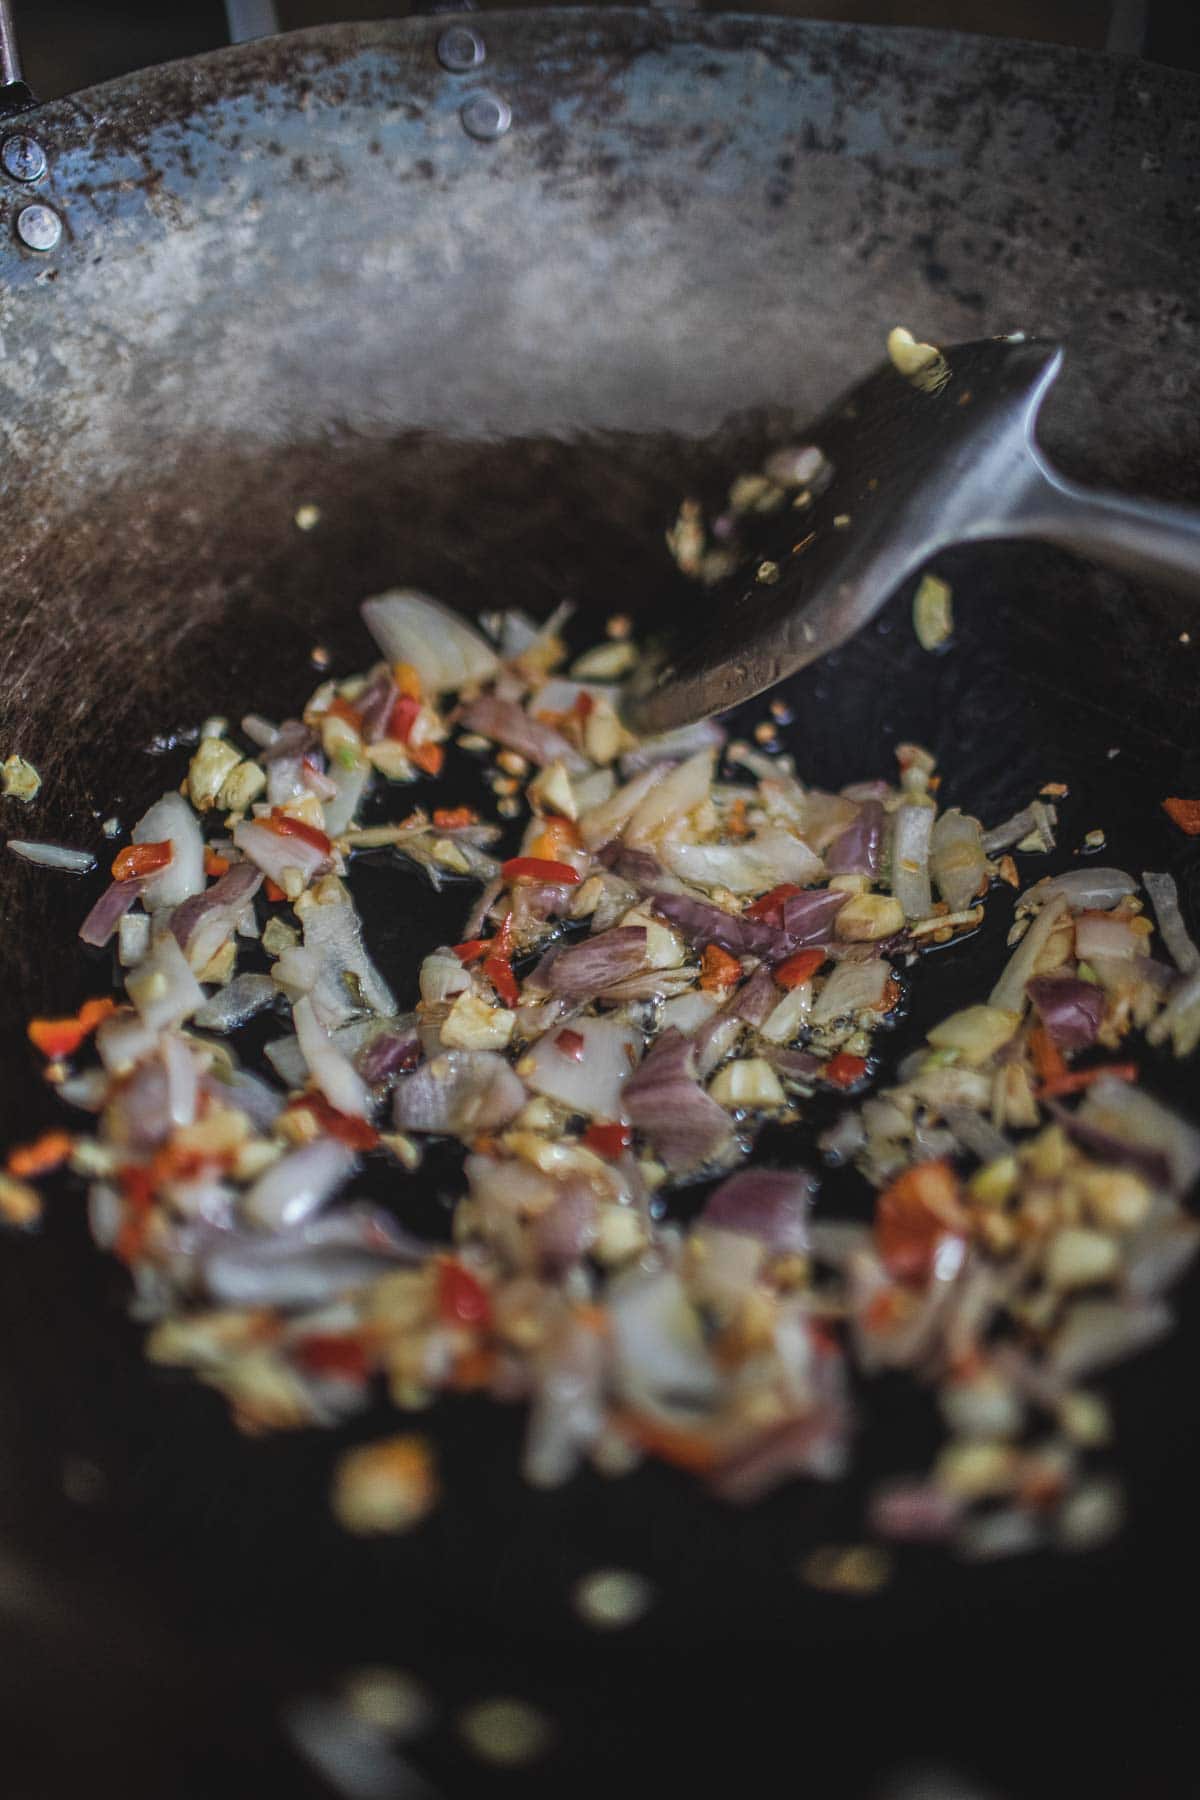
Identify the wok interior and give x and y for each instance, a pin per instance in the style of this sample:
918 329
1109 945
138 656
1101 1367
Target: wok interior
291 279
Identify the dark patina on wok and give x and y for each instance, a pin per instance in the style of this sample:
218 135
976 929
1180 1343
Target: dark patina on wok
288 275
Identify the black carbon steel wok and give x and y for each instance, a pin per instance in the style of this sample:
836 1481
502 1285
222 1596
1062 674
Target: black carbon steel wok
288 274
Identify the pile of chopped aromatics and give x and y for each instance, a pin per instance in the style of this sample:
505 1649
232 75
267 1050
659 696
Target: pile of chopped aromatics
688 944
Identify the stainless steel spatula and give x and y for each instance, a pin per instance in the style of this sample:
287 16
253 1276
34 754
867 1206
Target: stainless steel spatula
946 456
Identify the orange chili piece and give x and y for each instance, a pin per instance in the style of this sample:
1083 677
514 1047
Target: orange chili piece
428 757
214 862
272 890
407 680
45 1153
1047 1057
472 950
450 818
356 1133
1076 1080
333 1353
718 969
913 1215
844 1070
796 970
610 1141
406 709
462 1299
283 825
497 966
62 1037
770 906
537 868
1185 814
140 859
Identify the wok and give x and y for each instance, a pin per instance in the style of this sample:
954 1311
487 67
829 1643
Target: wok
288 274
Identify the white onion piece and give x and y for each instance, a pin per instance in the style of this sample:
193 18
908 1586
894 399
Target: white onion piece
162 987
53 856
687 1012
597 824
462 1092
333 1073
1097 934
910 860
1180 1018
123 1040
559 695
671 746
276 854
661 1360
333 932
285 779
231 1006
1087 889
298 1185
133 938
567 1414
447 653
1009 994
183 1080
853 987
770 857
1130 1114
442 976
785 1020
591 1085
672 798
1157 1255
171 820
1164 897
956 858
349 786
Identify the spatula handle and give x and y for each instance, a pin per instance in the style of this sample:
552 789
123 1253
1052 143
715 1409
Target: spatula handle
1148 539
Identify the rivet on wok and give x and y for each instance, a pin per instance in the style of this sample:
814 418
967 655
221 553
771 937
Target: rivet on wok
39 227
459 49
485 116
23 157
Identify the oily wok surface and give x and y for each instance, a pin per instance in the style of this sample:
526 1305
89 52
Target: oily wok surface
289 277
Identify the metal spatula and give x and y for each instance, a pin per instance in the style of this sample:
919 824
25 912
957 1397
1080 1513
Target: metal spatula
945 456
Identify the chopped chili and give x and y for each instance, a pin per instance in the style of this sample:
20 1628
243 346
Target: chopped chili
62 1037
770 906
214 863
1185 814
718 969
140 859
914 1215
1076 1080
273 891
608 1141
472 950
462 1298
537 868
356 1133
797 969
283 825
406 709
333 1353
407 680
427 757
497 966
45 1153
1048 1060
452 818
844 1070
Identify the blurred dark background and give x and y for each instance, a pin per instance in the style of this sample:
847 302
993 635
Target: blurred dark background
69 44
